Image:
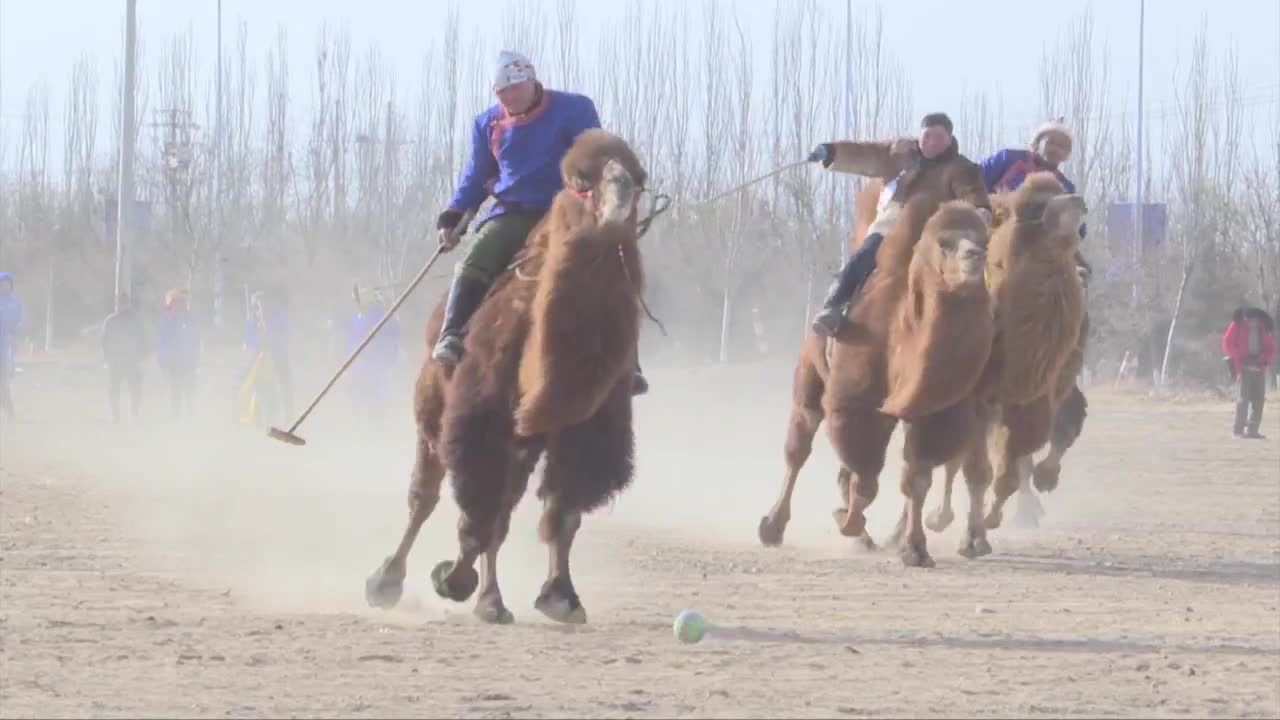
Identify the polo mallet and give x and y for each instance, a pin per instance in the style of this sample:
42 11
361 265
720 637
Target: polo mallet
289 436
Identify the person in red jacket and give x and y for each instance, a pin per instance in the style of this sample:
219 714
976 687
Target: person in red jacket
1250 346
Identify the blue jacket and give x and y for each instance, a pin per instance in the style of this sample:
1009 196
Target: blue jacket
381 354
517 159
1006 170
273 338
178 342
10 323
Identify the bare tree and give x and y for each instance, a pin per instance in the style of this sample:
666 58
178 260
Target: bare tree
1261 227
1073 86
524 28
238 136
1190 159
277 170
80 127
340 130
978 124
319 159
34 206
567 67
690 97
446 105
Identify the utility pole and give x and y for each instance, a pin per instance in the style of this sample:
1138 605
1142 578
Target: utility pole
125 194
388 147
1 115
1138 192
219 281
848 109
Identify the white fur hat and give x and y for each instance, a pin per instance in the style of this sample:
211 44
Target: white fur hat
512 68
1051 127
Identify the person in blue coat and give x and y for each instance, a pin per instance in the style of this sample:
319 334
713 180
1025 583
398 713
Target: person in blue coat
516 148
10 328
1050 147
178 350
374 370
266 334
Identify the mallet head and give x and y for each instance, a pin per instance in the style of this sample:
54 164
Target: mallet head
285 436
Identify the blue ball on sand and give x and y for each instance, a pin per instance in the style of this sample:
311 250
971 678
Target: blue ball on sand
690 626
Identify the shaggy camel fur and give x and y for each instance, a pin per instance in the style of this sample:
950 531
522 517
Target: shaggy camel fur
886 364
1068 424
547 369
1068 419
1039 306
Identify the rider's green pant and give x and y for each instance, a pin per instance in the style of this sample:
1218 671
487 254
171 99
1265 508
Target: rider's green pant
496 244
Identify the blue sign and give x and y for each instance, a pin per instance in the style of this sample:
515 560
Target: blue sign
1121 228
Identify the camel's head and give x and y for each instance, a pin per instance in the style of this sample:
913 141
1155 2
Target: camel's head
1041 200
602 170
955 239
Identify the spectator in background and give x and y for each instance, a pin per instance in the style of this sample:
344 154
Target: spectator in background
10 329
124 347
269 380
374 369
178 350
1250 346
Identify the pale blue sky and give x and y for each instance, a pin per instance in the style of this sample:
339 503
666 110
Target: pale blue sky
986 44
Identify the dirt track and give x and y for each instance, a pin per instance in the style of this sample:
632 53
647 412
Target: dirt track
210 572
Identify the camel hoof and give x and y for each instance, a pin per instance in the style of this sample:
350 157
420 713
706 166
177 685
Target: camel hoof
490 609
850 525
560 602
940 519
771 531
866 543
383 589
974 548
454 583
913 556
1045 478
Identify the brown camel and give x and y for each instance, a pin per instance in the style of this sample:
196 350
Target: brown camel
1068 419
914 348
1068 423
1039 307
547 370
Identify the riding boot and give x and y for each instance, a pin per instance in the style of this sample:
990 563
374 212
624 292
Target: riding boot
854 273
465 295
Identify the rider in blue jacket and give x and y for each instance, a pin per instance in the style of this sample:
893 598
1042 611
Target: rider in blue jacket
516 149
1006 170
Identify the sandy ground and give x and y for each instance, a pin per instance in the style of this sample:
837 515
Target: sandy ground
204 570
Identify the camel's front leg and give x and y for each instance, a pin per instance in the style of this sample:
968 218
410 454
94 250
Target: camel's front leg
558 599
942 516
861 438
806 416
489 605
917 475
801 428
384 587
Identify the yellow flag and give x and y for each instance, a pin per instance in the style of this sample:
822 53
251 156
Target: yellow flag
249 389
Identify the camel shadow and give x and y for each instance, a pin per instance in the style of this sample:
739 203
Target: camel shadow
990 642
1217 572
